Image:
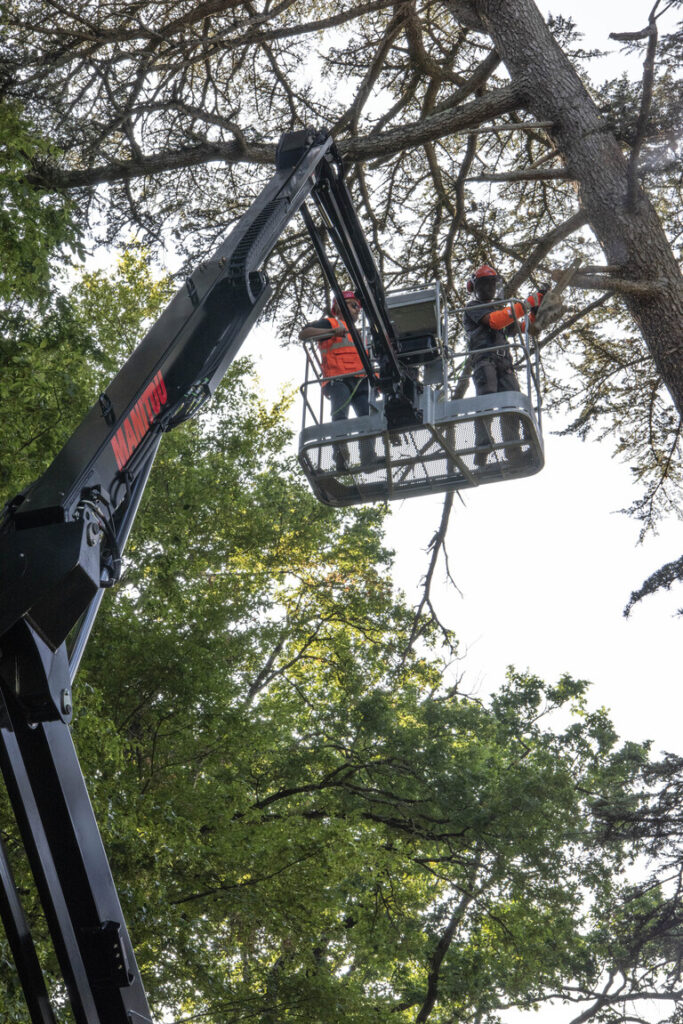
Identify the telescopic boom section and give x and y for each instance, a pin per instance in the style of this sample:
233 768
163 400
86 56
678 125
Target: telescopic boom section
61 542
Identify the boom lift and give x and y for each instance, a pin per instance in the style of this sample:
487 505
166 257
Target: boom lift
61 543
439 448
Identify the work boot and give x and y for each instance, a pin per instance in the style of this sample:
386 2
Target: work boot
341 459
517 457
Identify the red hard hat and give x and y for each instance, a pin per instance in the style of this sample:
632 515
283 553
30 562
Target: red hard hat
350 294
483 271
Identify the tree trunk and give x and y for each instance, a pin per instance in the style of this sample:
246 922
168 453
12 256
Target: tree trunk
632 238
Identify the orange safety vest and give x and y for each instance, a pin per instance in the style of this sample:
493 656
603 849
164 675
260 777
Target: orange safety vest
339 354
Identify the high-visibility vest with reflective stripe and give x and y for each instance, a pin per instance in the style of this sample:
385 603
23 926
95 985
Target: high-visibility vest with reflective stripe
339 354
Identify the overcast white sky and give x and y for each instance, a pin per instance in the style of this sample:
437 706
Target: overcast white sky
545 565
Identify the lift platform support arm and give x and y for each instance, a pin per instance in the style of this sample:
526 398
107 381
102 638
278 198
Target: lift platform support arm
61 542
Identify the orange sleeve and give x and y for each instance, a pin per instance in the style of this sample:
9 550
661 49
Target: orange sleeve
501 318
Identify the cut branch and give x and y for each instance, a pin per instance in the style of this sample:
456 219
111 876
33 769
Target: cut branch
618 284
570 321
532 174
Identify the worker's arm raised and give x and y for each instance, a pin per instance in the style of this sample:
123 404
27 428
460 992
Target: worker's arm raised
501 318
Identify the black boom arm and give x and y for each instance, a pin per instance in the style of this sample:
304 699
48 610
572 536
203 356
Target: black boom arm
61 542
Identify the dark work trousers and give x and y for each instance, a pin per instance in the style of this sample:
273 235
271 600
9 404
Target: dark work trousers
348 393
491 375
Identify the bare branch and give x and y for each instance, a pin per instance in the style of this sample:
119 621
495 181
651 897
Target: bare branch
408 136
477 80
528 175
435 545
645 107
617 284
543 247
351 116
444 943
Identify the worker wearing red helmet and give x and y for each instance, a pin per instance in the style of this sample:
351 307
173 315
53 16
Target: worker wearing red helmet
485 323
345 384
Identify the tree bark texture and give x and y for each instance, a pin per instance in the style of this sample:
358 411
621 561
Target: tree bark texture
630 234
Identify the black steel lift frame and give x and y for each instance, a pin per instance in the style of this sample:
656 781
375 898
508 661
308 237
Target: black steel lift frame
61 543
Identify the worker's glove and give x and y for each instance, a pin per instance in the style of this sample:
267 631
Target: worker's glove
545 287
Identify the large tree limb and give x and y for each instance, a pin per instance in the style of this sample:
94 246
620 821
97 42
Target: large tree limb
544 246
50 176
533 174
645 106
618 284
631 238
416 133
406 136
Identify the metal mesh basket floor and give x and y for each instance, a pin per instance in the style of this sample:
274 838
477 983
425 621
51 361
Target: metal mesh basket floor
465 445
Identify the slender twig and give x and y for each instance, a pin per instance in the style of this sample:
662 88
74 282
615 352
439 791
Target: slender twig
435 546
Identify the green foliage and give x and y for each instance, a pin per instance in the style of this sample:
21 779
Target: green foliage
56 359
304 822
296 809
616 393
35 222
296 813
184 154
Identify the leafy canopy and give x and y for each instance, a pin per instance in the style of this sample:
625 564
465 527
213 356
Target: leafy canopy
306 819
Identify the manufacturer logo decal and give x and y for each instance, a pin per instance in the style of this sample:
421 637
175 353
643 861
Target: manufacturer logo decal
139 420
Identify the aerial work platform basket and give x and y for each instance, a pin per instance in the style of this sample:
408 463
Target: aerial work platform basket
459 443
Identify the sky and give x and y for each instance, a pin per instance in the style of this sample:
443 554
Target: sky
545 565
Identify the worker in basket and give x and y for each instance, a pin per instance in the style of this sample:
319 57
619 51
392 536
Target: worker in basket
345 384
486 326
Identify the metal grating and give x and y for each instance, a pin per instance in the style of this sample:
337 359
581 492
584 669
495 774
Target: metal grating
464 445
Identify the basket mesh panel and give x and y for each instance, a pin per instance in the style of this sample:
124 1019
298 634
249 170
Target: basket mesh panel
421 460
